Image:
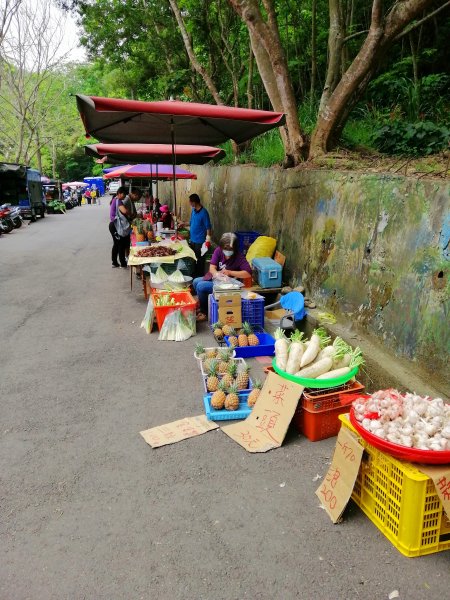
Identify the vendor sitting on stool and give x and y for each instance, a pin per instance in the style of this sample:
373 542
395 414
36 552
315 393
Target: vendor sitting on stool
226 260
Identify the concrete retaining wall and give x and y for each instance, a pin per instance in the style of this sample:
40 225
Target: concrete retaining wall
370 247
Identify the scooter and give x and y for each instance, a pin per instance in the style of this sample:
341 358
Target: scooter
14 215
5 221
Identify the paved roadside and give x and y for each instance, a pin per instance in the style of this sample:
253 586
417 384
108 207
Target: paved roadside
89 511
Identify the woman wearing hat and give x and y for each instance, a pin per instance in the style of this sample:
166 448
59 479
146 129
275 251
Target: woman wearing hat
166 217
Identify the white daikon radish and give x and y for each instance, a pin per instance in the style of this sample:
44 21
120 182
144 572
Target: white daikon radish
318 368
318 340
281 349
295 353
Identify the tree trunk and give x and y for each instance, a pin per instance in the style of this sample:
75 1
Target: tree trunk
313 51
192 57
250 78
335 45
274 73
382 34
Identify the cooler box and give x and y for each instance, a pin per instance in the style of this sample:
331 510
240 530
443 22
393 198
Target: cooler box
267 272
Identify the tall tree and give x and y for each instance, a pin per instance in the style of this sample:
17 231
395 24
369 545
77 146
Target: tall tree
341 93
273 69
31 53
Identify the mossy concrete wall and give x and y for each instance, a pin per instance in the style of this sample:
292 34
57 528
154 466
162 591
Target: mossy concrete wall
370 247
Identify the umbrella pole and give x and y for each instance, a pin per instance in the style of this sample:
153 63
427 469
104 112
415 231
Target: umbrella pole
157 188
174 158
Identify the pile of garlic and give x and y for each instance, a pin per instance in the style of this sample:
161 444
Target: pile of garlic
406 419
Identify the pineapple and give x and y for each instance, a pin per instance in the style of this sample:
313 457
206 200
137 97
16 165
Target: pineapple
251 337
211 352
212 383
200 352
254 394
232 399
230 375
218 398
233 340
224 358
242 379
227 329
242 340
217 330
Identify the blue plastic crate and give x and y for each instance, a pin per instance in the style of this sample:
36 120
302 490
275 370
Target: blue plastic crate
252 311
266 347
227 415
246 239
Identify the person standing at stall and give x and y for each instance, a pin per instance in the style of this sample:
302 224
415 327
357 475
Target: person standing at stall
200 231
119 242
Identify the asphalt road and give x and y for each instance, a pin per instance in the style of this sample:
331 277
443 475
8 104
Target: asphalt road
90 511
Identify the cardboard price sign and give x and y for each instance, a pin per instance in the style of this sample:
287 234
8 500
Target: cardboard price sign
265 428
441 480
335 490
177 431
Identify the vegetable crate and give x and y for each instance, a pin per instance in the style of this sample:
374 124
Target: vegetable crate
246 239
252 311
227 415
401 501
185 303
317 415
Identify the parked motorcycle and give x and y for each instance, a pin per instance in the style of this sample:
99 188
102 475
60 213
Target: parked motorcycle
6 223
14 214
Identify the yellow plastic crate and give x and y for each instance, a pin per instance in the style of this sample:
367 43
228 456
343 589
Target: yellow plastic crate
401 501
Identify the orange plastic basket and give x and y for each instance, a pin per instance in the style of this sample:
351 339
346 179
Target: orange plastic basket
185 303
317 416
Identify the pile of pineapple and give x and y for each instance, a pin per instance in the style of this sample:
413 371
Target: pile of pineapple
224 380
244 337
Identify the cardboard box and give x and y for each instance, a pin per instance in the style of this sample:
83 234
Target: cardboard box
230 310
269 420
275 315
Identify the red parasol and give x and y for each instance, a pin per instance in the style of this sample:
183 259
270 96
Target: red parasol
157 153
118 120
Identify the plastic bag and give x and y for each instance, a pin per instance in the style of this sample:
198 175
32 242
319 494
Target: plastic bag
177 327
261 247
224 282
147 321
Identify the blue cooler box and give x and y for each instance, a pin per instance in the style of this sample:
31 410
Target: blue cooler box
267 272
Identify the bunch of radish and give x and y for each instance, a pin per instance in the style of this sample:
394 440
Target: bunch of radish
405 419
315 358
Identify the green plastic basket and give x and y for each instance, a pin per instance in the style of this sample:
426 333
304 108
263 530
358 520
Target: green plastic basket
316 383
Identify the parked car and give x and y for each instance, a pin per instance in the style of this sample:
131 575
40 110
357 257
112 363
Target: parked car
113 187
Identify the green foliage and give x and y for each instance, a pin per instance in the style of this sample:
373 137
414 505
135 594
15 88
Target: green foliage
414 139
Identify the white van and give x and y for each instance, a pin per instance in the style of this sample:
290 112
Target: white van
113 187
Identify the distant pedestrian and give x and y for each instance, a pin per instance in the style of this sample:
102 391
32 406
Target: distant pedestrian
87 195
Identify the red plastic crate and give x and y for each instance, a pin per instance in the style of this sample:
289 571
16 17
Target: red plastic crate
187 304
317 415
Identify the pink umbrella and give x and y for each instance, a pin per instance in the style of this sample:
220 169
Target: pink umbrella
153 171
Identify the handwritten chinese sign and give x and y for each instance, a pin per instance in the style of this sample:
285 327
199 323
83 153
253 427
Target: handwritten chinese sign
177 431
335 490
441 480
265 428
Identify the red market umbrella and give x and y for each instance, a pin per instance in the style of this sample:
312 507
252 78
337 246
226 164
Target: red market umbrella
153 171
156 153
118 120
